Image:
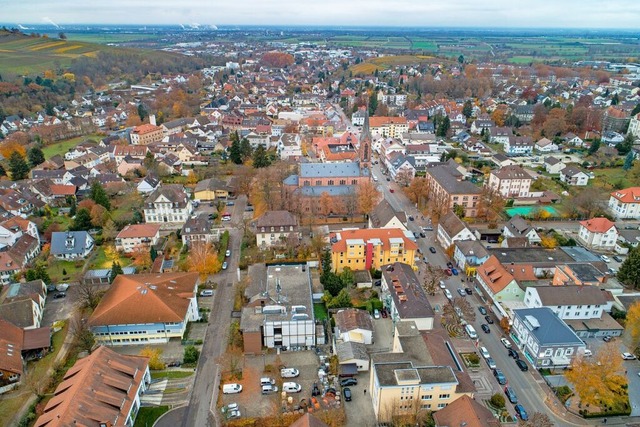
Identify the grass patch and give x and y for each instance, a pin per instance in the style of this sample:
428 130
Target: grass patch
611 178
64 146
9 406
170 375
40 367
320 311
101 260
147 415
58 268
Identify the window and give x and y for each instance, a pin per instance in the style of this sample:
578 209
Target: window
445 396
426 397
548 352
441 405
427 406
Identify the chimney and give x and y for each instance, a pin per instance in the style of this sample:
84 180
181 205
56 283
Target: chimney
152 119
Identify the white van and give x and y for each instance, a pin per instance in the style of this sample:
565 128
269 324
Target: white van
289 372
291 387
471 332
206 293
447 294
231 388
267 381
484 352
268 389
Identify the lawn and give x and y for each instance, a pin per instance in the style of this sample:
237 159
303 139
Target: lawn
610 178
57 269
64 146
147 415
101 260
9 406
320 311
170 375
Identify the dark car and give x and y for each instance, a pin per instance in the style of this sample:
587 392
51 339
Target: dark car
514 354
423 235
485 328
454 271
410 218
230 203
482 310
316 390
511 395
388 179
59 295
488 319
174 364
346 392
432 249
520 412
449 264
502 380
468 291
378 282
522 365
617 258
348 382
606 339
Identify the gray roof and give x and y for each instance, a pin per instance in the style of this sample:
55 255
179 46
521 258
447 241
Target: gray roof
351 350
291 180
585 272
511 172
552 330
20 313
277 219
384 212
552 160
77 240
321 170
390 374
447 177
571 295
452 224
406 290
533 256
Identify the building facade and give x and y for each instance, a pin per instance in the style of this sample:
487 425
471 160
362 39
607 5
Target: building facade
625 203
168 204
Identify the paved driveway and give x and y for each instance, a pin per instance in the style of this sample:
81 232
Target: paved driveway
360 410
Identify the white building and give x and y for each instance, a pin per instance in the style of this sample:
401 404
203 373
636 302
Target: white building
625 203
169 204
598 233
574 176
510 181
569 301
137 236
452 228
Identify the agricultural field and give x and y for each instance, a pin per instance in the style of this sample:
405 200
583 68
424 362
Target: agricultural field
387 62
27 55
104 38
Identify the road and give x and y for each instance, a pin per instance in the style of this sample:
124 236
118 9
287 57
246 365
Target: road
201 409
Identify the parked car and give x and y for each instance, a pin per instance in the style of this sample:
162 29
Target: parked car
442 284
522 365
511 395
346 392
484 352
448 272
454 271
227 253
520 412
607 338
376 313
316 390
505 342
224 265
289 372
482 310
410 218
513 354
605 258
502 380
60 295
449 264
462 292
230 203
491 363
617 258
485 328
206 293
628 356
428 228
448 294
291 387
384 314
422 235
346 382
468 291
231 388
488 319
588 353
432 249
269 388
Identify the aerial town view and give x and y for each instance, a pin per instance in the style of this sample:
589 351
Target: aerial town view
360 214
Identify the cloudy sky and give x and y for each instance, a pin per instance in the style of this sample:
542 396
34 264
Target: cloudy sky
428 13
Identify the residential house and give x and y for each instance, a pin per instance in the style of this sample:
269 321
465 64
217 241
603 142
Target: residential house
519 227
452 228
129 164
497 283
169 300
146 134
169 204
277 228
448 189
510 182
289 146
629 237
574 176
544 338
553 165
384 216
199 228
371 248
545 145
518 145
625 203
22 304
354 325
71 245
101 389
467 412
598 233
634 126
136 237
280 311
615 119
468 255
403 296
119 152
574 140
578 273
15 227
480 125
500 135
148 184
212 189
388 127
584 308
12 364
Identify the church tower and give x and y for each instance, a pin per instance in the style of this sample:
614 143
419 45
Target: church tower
365 144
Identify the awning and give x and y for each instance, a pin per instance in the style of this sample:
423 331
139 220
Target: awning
560 361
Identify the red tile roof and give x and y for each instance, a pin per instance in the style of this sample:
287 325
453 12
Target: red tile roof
597 225
494 274
384 234
11 338
139 230
628 195
146 128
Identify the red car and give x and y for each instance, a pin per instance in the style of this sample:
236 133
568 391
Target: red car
391 190
448 272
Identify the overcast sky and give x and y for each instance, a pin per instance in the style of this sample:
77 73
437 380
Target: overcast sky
428 13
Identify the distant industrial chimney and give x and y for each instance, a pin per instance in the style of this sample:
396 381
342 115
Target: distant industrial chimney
152 119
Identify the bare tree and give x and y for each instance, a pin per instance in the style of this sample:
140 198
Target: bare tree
89 295
83 338
433 276
537 419
404 178
467 311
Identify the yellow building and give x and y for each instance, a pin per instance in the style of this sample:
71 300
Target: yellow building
374 247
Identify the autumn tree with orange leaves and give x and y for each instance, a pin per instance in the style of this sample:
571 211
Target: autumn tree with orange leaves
368 197
277 59
203 259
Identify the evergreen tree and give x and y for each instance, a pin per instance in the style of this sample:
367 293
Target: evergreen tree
99 196
467 109
461 59
235 154
443 127
142 112
245 149
260 159
373 104
629 272
153 253
39 272
615 100
18 167
35 156
2 171
71 202
636 110
628 161
595 146
82 221
115 270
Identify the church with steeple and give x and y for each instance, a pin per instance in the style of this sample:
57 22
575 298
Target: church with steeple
318 185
